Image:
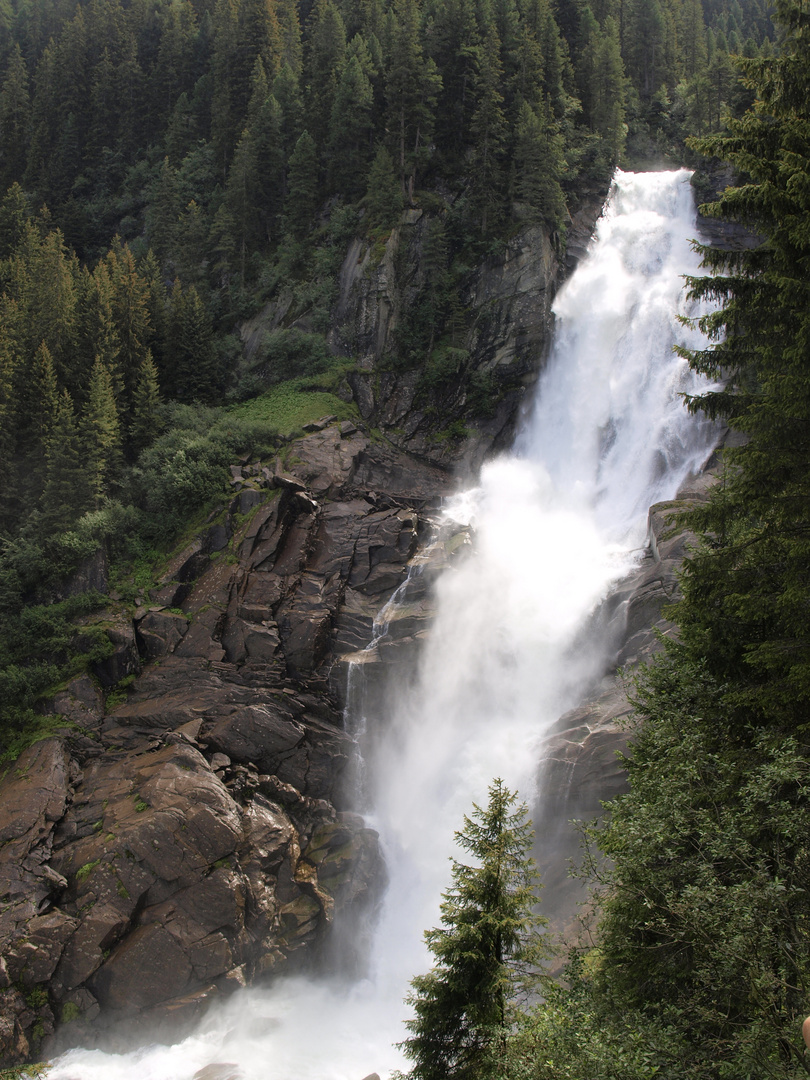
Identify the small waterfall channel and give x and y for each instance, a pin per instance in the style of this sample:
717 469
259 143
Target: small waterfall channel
557 523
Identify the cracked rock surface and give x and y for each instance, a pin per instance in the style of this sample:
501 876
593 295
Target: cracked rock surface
199 835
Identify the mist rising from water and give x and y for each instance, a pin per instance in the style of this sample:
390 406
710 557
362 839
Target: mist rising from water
557 524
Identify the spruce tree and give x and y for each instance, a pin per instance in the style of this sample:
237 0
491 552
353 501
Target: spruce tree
748 590
383 192
302 187
15 213
162 212
45 403
145 422
191 360
488 127
9 408
15 119
488 949
538 166
350 130
323 65
66 495
411 88
705 902
129 297
101 434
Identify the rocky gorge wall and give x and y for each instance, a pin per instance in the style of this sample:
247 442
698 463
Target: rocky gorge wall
166 849
196 833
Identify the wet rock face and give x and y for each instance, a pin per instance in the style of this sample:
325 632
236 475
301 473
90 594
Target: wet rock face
581 765
198 835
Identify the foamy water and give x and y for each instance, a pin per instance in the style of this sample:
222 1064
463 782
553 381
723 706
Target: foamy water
557 523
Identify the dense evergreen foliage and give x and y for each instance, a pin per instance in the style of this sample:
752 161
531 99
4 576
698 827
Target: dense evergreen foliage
706 923
167 167
488 949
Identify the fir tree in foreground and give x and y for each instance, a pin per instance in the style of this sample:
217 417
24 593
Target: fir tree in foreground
488 949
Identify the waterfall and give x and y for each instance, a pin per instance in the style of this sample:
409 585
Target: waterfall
557 524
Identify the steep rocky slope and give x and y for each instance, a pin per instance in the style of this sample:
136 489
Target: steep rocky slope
196 836
167 848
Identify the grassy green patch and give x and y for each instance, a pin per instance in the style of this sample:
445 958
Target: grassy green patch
292 404
35 728
36 997
85 871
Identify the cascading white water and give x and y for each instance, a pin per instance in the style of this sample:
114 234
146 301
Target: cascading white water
558 523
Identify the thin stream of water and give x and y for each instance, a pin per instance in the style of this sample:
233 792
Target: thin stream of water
557 524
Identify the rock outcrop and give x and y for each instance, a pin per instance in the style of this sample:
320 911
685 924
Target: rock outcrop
581 758
455 417
195 831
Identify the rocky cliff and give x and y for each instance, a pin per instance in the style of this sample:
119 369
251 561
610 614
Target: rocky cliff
452 413
179 838
163 850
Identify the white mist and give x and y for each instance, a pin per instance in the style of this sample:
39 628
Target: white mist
557 524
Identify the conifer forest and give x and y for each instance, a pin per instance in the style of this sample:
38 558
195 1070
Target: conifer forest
169 168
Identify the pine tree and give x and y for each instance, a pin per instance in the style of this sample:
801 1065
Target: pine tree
488 126
302 187
226 123
488 949
101 434
129 299
259 38
748 590
384 192
323 66
10 418
704 925
287 93
163 210
173 74
191 373
45 403
96 334
290 35
644 45
264 131
15 213
44 124
134 121
145 421
240 200
15 120
411 88
603 88
157 305
538 166
350 127
66 495
43 280
454 40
